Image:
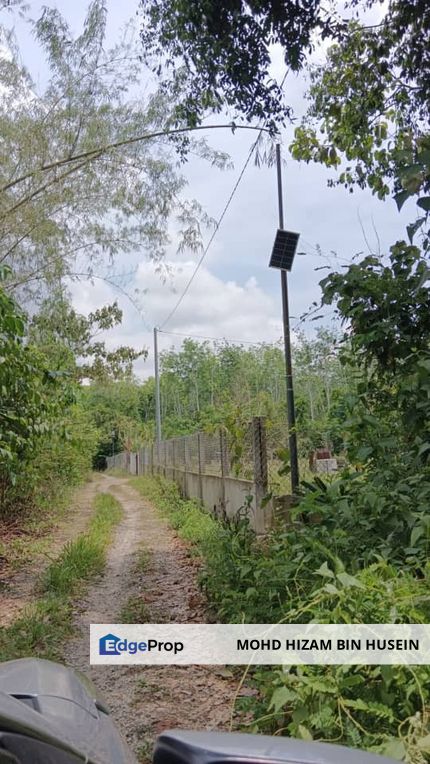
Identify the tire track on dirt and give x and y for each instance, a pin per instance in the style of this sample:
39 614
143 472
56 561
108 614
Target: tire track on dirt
18 589
146 700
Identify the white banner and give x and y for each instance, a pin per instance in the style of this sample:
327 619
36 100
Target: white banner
258 644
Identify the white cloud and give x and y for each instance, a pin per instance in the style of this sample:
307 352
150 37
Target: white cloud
211 308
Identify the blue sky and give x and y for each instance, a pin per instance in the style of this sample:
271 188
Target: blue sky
235 295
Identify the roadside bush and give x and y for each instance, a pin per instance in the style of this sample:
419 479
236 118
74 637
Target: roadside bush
379 708
293 577
46 443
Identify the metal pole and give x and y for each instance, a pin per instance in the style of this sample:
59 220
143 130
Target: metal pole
292 436
157 394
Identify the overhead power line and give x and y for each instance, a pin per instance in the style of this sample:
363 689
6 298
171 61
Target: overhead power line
220 219
219 339
215 231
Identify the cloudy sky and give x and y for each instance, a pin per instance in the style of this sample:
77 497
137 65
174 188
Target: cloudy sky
234 294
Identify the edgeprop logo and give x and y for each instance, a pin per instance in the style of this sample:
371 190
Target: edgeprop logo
110 644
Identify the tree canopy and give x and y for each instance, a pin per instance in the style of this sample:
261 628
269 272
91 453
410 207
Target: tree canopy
369 107
72 344
223 51
81 183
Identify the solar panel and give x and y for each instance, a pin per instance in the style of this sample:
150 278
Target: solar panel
284 250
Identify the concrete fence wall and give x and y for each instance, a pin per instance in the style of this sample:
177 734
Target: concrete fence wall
202 467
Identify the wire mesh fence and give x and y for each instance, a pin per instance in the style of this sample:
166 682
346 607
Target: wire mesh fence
224 471
215 454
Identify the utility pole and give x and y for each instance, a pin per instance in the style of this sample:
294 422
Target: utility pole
157 393
292 436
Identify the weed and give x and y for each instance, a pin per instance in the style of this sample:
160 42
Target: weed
144 751
142 560
193 524
135 611
32 537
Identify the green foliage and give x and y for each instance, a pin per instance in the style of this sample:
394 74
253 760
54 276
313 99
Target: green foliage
298 576
135 610
46 442
321 386
114 408
370 707
28 403
386 306
84 558
186 517
205 39
67 338
41 630
225 386
369 109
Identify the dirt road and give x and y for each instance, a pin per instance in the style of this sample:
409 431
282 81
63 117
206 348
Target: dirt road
17 589
146 700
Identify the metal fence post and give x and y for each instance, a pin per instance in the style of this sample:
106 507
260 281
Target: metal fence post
260 471
173 459
224 466
201 464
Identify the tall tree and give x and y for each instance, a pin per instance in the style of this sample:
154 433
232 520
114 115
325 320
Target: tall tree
369 100
81 181
45 442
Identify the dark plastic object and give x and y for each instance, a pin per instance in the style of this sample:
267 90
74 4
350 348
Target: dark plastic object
177 747
50 714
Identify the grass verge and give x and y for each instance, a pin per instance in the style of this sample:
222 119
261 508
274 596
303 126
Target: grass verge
135 611
43 626
28 536
192 523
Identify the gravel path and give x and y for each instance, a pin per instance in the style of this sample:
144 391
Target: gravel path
146 700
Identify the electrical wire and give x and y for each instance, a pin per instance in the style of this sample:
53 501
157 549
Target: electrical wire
215 231
221 339
219 221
